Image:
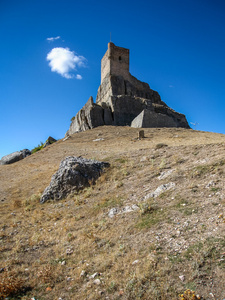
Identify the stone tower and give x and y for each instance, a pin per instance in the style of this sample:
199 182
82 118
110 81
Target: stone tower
124 100
115 62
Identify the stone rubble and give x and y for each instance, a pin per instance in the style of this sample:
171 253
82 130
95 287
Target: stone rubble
165 174
116 211
161 189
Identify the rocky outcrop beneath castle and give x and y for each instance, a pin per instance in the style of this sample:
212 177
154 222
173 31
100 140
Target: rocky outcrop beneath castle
74 174
119 102
114 85
122 98
14 157
90 116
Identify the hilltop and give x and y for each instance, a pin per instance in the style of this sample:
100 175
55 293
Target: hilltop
124 237
123 100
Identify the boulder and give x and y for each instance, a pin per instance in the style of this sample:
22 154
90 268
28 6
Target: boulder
14 157
74 174
50 140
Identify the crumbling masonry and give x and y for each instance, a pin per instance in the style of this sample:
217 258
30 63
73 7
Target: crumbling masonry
124 100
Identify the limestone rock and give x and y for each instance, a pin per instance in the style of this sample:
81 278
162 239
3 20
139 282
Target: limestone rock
165 174
50 140
90 116
114 211
14 157
74 174
150 119
124 100
160 189
97 281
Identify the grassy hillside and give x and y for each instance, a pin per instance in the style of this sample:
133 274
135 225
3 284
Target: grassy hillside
166 245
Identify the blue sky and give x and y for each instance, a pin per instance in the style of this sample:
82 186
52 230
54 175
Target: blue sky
177 46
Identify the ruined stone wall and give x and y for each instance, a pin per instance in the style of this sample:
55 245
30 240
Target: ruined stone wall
119 61
115 62
105 66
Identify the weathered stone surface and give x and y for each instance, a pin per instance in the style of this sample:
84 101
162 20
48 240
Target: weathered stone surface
179 118
107 114
141 134
114 211
147 119
125 99
121 98
14 157
74 174
90 116
165 174
160 189
126 108
50 140
114 85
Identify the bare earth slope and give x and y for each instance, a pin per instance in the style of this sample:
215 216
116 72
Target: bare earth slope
124 238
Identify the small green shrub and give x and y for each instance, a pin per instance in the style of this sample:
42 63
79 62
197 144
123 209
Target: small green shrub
215 189
146 208
149 217
121 160
38 148
112 287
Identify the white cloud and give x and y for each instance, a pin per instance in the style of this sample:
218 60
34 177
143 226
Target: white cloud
52 39
78 76
171 86
63 61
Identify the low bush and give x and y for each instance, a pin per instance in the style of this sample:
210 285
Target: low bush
10 285
38 148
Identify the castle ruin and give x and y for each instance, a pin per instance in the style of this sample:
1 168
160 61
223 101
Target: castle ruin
124 100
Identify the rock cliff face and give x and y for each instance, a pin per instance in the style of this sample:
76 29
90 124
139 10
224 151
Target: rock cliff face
90 116
124 100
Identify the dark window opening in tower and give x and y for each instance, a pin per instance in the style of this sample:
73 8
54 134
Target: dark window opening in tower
120 58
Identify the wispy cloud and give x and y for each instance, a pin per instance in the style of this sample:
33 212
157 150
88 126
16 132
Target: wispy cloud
78 76
52 39
171 86
63 61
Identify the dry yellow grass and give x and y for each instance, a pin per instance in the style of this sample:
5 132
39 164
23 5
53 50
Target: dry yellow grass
71 249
